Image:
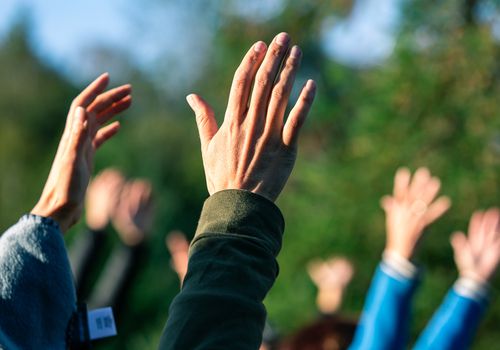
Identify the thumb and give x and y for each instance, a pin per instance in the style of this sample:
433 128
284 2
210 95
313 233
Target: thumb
458 242
386 203
80 130
205 120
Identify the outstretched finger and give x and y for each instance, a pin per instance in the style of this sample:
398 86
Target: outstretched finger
316 271
108 98
490 221
430 190
281 91
114 109
419 181
299 114
386 203
458 241
401 182
242 82
90 93
475 228
264 80
105 133
205 119
437 209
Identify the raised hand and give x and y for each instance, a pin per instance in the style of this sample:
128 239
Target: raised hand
335 272
85 131
178 246
255 149
102 198
331 277
411 208
133 216
478 254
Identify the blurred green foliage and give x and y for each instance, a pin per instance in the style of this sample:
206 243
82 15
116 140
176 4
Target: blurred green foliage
433 105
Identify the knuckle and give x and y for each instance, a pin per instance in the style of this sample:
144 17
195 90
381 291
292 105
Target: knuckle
291 64
202 120
241 80
276 51
307 100
262 81
279 92
254 57
294 123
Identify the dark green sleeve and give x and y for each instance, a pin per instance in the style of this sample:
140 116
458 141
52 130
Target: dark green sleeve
231 268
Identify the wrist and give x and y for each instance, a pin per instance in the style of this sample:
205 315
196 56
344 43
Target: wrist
475 276
399 264
404 253
471 287
63 217
329 301
264 194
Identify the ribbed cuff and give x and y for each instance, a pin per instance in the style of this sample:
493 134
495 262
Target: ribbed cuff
472 288
242 213
397 266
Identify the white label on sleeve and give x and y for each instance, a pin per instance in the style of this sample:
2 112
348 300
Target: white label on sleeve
101 323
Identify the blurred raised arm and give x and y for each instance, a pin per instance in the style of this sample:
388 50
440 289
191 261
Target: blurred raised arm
247 161
477 257
384 323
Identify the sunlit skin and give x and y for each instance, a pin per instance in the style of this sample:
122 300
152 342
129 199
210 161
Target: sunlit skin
133 216
477 255
178 246
412 207
103 195
254 148
85 131
331 277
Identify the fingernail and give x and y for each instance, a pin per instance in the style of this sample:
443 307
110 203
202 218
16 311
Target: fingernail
311 85
191 100
259 46
295 52
282 39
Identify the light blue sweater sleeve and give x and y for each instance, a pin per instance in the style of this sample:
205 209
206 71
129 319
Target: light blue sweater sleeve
384 323
37 295
454 324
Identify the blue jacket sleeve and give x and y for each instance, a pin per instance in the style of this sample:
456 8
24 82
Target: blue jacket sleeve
454 324
384 323
37 296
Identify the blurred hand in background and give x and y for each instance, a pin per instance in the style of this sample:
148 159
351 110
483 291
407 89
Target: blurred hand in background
411 208
102 198
331 277
178 246
477 255
134 213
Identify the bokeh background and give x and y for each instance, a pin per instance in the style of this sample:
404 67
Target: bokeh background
400 82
